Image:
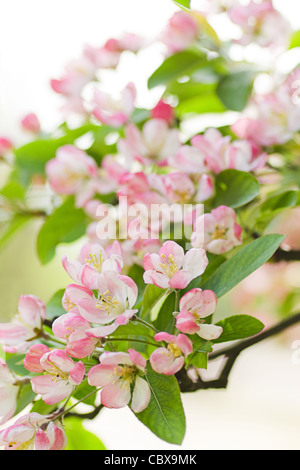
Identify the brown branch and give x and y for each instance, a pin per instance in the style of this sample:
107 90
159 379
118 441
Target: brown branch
282 255
231 354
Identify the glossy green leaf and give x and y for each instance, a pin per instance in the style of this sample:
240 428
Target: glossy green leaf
247 260
295 40
25 397
234 90
183 3
79 438
65 225
206 103
176 66
164 415
239 327
235 188
152 301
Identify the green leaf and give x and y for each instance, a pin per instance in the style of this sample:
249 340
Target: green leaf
65 225
25 396
176 66
239 327
12 227
280 201
165 320
39 406
295 40
234 90
201 104
247 260
152 301
13 190
79 438
235 188
54 307
164 415
14 362
183 3
83 390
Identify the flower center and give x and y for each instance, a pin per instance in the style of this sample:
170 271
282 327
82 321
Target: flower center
219 233
169 266
107 302
95 262
174 350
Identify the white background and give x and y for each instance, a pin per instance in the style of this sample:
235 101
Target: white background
261 408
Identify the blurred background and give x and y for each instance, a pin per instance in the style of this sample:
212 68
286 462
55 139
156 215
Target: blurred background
261 408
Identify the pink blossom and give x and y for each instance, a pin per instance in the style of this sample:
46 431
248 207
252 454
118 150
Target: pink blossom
112 112
169 360
155 142
163 111
33 358
5 146
181 31
190 160
221 154
171 267
270 119
72 171
61 376
31 123
180 189
117 374
218 231
117 294
8 393
77 74
261 23
92 260
72 327
194 307
26 325
33 432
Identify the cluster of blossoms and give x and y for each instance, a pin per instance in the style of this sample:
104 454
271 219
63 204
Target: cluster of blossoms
101 300
153 164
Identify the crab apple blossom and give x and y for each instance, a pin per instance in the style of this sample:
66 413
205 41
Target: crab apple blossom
163 111
33 432
121 377
171 267
189 160
17 335
32 361
72 327
218 231
61 376
220 153
94 259
169 360
113 306
181 31
112 112
5 146
31 123
181 189
195 306
270 119
77 74
8 393
72 171
261 23
155 142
